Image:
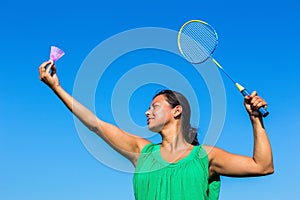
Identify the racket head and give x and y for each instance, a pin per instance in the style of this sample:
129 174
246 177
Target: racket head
197 41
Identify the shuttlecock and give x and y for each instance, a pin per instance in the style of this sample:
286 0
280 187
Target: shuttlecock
56 53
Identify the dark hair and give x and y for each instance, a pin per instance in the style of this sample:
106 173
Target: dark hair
175 99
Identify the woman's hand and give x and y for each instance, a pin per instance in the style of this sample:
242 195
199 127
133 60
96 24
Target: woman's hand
253 103
48 74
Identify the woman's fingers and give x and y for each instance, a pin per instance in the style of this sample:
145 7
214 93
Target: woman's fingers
253 102
44 70
49 67
258 102
44 65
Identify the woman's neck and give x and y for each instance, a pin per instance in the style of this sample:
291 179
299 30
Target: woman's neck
173 139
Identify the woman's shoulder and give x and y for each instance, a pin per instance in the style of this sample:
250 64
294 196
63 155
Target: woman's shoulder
150 147
211 151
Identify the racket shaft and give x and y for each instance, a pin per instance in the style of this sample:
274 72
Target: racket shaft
262 110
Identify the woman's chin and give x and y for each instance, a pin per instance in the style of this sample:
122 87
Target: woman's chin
155 129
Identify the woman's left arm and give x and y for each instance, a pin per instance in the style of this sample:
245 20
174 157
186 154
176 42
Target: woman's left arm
261 163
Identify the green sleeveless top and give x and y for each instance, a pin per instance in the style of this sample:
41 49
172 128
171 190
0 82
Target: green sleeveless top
187 179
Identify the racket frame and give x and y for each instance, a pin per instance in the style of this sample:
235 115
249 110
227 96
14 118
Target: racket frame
210 27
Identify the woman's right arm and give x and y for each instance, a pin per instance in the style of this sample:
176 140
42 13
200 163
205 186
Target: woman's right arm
127 144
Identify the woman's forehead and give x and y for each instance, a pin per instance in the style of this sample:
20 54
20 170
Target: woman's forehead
158 99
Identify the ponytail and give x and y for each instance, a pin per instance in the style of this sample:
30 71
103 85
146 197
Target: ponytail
192 136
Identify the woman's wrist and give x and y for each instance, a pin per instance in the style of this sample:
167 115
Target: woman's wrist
256 120
55 88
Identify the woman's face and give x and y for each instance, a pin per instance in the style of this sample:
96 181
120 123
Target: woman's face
159 114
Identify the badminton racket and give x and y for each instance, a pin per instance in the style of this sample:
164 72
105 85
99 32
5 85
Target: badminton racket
197 41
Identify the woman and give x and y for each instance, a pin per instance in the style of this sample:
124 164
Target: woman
178 168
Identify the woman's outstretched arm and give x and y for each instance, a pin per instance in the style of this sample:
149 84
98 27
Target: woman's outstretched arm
127 144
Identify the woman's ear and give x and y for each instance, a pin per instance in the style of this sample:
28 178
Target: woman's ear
177 111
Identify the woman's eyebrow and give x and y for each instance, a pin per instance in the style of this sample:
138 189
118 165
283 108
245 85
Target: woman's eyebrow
155 103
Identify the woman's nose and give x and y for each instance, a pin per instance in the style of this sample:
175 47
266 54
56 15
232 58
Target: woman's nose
147 113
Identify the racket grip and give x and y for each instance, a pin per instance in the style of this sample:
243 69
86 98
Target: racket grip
262 110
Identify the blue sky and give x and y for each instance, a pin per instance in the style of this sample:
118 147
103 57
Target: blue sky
45 154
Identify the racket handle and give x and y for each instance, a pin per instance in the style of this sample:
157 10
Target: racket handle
262 110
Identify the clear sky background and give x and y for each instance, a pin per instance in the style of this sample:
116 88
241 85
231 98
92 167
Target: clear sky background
42 152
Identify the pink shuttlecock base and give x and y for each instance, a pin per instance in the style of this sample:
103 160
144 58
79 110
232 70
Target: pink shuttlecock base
56 53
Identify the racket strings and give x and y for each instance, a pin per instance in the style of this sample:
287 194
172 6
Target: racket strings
192 50
208 39
202 35
198 41
202 40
